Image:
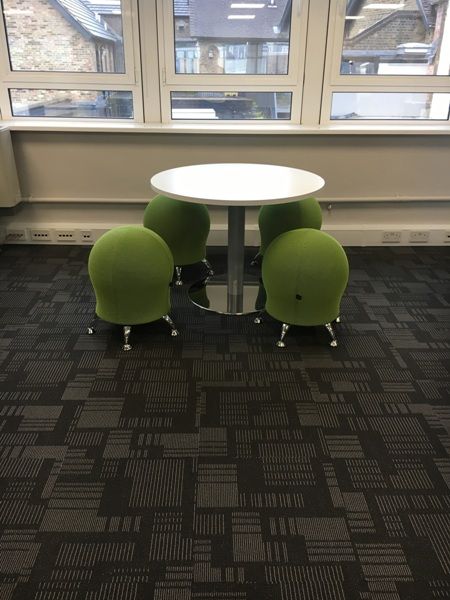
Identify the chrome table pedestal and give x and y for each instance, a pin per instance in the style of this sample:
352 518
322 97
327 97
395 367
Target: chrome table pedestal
233 297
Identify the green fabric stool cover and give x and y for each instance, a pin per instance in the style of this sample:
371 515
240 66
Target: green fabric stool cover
275 219
184 226
131 268
305 273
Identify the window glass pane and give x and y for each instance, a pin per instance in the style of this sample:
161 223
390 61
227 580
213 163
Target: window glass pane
217 37
68 104
231 105
396 37
381 105
65 35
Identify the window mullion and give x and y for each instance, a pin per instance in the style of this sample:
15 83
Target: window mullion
152 55
316 43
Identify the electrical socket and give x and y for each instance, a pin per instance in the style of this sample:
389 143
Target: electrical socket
446 237
41 235
86 236
66 236
391 237
16 235
419 237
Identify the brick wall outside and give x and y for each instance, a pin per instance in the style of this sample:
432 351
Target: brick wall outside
404 26
209 58
399 30
277 64
56 103
41 39
210 62
54 96
371 17
185 32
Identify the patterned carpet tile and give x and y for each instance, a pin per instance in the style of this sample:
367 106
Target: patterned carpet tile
216 466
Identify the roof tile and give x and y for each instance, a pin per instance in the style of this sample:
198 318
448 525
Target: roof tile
87 19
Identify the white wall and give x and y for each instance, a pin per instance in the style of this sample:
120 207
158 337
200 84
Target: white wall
373 183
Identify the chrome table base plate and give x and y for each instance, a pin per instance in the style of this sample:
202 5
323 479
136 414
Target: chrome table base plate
214 297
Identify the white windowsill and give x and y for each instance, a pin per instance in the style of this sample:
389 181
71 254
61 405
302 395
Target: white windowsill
224 128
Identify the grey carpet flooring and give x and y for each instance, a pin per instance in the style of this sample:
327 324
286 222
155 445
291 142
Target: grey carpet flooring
215 465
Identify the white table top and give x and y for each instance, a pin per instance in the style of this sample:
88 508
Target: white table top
236 184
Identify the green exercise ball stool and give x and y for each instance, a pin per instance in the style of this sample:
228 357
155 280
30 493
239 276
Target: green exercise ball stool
131 268
305 273
184 226
275 219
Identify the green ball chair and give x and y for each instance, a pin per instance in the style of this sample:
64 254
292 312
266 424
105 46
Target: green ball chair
275 219
305 273
184 226
131 268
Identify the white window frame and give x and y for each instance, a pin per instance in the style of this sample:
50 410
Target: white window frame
167 110
335 82
150 52
60 80
316 38
170 81
82 87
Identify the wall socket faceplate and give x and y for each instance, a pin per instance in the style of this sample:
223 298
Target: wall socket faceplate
51 235
66 236
419 237
41 235
16 235
391 237
86 236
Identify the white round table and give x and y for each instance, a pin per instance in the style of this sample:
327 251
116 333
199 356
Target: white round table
235 185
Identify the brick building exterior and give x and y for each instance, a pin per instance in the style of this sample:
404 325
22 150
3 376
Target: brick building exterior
61 36
204 30
43 37
383 35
